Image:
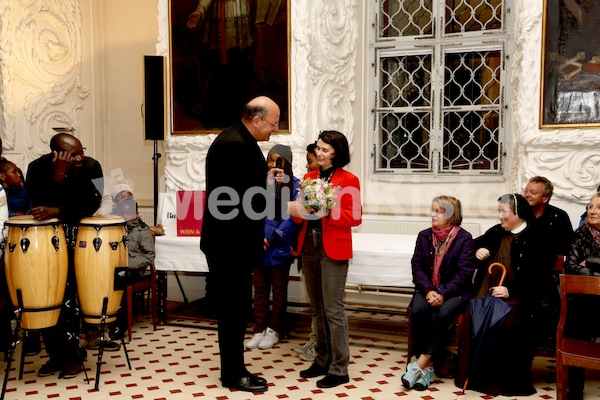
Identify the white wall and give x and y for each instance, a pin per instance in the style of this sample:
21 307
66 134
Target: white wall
129 29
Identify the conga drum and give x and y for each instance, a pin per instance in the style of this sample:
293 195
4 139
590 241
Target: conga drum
100 251
37 263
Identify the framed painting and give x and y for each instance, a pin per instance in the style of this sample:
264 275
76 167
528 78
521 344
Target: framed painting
222 54
570 86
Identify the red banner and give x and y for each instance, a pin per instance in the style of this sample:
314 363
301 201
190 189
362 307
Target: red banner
190 209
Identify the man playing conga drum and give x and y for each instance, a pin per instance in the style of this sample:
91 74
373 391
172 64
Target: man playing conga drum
64 184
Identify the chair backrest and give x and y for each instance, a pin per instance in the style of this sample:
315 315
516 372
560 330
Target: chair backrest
579 284
574 284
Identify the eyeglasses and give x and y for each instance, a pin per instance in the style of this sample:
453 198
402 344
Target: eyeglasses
276 124
504 212
593 208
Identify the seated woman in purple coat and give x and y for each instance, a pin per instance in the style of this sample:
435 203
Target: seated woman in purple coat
443 266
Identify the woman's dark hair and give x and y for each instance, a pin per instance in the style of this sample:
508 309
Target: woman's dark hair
338 141
311 148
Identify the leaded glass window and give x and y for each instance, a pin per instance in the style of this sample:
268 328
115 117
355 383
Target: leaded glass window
440 86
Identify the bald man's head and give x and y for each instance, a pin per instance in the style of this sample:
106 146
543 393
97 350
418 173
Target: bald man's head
69 147
60 140
261 117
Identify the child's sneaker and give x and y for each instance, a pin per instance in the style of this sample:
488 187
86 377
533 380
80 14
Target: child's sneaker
256 339
303 348
270 339
310 353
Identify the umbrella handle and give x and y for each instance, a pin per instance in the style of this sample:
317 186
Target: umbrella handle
497 264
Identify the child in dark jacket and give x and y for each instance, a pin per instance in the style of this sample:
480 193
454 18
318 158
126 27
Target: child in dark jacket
17 198
280 233
12 182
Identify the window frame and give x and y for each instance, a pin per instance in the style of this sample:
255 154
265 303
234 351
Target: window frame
439 44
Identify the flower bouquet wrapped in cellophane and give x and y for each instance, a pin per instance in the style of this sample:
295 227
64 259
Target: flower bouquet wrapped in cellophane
317 195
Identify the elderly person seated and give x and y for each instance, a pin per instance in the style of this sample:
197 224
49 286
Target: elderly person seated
443 264
504 366
583 319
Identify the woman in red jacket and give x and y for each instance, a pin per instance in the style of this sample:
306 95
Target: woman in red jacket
325 245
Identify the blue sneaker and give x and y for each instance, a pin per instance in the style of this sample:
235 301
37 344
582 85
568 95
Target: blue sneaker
426 378
412 375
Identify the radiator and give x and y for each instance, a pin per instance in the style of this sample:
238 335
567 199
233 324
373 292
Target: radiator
405 226
147 215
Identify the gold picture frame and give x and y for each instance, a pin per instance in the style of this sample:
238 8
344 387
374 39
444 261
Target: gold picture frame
210 83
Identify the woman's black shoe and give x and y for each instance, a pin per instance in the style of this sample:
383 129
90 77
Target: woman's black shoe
332 381
313 371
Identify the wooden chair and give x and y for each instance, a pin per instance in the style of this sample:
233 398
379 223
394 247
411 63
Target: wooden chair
147 284
574 352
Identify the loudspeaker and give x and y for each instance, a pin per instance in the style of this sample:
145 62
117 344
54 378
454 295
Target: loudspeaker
154 97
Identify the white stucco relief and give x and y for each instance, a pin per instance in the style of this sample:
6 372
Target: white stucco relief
323 41
41 68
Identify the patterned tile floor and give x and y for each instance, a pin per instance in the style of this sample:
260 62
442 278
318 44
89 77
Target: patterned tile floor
182 362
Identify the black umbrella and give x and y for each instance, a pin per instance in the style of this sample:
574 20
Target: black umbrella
487 315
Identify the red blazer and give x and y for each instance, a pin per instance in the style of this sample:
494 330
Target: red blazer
337 233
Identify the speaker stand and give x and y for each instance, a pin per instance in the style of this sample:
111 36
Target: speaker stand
155 158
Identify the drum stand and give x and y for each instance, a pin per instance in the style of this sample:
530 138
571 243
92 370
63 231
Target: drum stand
15 340
103 329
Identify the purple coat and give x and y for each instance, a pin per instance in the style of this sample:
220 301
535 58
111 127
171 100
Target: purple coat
456 271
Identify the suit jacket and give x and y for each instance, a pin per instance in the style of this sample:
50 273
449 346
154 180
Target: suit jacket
235 166
347 212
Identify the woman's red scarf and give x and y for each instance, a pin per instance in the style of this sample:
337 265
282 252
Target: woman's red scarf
442 239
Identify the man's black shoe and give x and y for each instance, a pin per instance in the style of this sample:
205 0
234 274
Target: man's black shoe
332 381
50 368
257 379
71 370
313 371
247 384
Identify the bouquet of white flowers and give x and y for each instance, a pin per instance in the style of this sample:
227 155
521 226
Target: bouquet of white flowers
317 195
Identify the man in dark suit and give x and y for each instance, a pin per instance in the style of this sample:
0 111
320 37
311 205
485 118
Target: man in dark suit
233 230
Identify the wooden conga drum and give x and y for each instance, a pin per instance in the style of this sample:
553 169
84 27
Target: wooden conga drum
37 263
100 248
